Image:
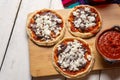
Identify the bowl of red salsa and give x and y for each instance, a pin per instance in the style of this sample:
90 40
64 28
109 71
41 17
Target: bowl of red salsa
108 44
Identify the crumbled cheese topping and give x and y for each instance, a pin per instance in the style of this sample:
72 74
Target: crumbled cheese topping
46 26
89 57
84 18
72 56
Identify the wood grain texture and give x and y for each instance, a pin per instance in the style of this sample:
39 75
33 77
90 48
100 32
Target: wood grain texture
40 57
16 64
56 4
8 12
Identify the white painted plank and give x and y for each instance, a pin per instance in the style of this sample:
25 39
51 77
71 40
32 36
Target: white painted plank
8 12
113 74
16 64
56 4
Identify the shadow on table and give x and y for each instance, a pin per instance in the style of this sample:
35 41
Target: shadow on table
55 77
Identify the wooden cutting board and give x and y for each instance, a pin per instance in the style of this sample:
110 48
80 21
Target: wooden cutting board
40 57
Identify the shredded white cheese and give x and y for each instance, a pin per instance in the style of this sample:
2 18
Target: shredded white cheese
84 18
89 57
45 24
72 58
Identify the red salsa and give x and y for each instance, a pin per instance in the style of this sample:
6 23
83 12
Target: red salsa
109 44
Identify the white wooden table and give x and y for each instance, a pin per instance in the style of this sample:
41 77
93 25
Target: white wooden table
14 55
